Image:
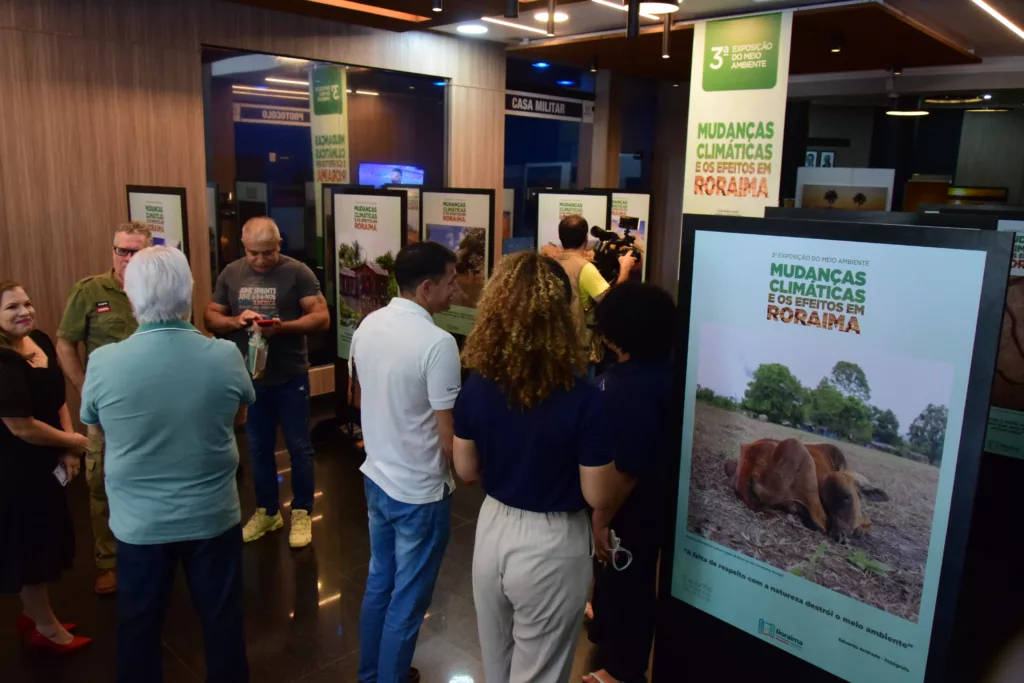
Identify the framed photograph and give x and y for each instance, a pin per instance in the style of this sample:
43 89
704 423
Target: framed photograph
828 160
811 159
164 210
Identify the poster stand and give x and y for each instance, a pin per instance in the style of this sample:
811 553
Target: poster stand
704 645
636 205
553 205
171 225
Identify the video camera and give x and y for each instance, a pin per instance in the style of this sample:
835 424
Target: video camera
611 245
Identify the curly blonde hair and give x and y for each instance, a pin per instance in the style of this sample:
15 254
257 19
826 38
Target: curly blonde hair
524 337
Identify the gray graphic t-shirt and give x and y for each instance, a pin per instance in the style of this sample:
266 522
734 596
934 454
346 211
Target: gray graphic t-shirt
275 295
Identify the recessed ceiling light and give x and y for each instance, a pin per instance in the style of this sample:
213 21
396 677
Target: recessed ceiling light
286 81
412 87
368 92
437 6
952 100
263 88
675 85
906 112
540 65
472 29
625 8
659 7
441 83
986 97
511 24
1000 18
566 82
988 110
559 17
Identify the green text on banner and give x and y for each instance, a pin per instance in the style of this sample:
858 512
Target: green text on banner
738 88
329 130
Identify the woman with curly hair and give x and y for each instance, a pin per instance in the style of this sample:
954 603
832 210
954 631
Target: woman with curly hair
534 433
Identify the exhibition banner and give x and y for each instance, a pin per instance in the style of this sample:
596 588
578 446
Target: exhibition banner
552 207
368 234
163 209
328 131
820 441
463 221
738 86
1005 434
412 212
637 206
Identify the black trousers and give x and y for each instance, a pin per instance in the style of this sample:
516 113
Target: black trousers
625 604
145 575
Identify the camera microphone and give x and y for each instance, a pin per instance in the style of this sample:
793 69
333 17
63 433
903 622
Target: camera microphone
603 235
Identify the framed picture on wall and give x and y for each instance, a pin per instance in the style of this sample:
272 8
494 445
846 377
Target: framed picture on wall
811 159
828 159
164 210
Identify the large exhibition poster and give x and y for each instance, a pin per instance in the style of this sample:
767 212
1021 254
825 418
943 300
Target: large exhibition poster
462 222
738 86
368 235
552 207
412 211
329 131
163 209
821 434
1006 417
634 205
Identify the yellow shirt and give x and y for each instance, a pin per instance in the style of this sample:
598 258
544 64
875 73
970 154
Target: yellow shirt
592 285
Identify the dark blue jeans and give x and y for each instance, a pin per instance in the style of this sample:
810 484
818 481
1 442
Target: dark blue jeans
145 575
287 404
407 544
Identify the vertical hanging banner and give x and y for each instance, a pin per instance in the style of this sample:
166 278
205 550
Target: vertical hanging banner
369 230
329 132
738 89
463 221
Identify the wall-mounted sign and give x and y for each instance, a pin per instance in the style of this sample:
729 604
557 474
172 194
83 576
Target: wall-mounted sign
546 106
279 116
164 210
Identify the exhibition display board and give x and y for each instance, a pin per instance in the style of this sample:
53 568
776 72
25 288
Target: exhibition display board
830 440
855 189
738 86
463 221
412 216
553 206
164 210
369 231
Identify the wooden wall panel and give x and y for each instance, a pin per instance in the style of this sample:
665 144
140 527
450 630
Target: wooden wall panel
398 130
103 93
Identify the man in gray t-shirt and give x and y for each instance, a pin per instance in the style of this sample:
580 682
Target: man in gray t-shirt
283 296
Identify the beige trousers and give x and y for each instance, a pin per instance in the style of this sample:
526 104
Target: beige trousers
531 579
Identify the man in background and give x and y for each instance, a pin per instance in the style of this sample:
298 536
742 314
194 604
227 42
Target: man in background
407 376
396 176
98 313
283 297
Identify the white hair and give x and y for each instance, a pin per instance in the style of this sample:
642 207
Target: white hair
260 230
158 282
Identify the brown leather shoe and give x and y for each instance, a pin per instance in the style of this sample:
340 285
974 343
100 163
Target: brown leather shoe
106 582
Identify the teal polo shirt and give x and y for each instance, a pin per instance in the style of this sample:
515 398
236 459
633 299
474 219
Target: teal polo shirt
166 399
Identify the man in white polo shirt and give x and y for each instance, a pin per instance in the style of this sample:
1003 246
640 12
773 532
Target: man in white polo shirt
408 376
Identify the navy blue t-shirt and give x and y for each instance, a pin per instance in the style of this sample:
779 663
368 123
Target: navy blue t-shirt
638 397
530 459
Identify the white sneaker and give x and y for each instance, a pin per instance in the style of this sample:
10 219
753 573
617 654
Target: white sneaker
301 533
260 523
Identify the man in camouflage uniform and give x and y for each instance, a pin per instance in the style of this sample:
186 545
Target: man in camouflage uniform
97 314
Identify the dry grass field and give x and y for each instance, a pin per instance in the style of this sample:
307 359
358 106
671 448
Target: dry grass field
898 539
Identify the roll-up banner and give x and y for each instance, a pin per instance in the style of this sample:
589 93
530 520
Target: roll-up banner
738 87
369 231
463 221
329 131
164 210
552 207
830 444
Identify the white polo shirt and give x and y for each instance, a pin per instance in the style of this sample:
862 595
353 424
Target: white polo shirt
407 368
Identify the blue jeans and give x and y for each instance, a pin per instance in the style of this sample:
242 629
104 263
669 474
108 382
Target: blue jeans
145 575
287 403
407 544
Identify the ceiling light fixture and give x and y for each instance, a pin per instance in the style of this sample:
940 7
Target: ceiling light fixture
632 18
472 29
509 24
593 65
623 8
437 6
566 82
551 19
368 92
905 106
986 97
441 83
952 100
540 65
659 7
1000 18
511 9
837 43
675 85
286 81
897 71
666 31
987 110
559 17
263 88
246 93
373 9
906 112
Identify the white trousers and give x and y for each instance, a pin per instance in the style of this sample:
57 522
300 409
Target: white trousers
531 578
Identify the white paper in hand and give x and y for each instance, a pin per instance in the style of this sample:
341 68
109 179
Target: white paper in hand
61 472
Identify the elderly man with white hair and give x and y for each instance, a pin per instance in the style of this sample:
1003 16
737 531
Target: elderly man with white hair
283 297
167 400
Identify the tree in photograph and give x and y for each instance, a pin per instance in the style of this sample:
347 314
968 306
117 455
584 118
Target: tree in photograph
831 196
928 432
350 255
825 405
855 420
851 380
776 393
887 426
860 200
386 261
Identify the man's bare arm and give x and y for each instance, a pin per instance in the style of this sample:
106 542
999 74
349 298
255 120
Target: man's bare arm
71 362
316 318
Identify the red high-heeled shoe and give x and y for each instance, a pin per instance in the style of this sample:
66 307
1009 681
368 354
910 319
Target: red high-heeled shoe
25 626
39 641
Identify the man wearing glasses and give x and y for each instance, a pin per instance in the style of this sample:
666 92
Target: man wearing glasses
97 314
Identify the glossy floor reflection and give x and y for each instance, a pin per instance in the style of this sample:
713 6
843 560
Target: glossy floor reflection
302 607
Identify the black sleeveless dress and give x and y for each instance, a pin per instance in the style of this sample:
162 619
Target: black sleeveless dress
37 539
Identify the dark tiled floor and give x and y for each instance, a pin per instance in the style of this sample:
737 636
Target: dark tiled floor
302 607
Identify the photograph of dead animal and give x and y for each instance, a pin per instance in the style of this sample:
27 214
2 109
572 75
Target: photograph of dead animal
821 460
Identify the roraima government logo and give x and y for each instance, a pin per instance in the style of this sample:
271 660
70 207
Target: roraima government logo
768 630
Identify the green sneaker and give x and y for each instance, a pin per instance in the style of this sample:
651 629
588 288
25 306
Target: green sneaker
301 534
259 524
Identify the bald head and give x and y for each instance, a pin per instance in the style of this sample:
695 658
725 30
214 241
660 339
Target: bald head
262 241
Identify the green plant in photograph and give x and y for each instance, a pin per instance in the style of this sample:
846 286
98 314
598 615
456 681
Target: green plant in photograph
806 570
350 255
928 432
776 393
860 559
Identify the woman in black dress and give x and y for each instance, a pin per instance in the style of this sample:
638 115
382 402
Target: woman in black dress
38 448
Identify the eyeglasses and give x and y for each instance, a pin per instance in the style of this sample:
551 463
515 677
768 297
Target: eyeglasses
121 251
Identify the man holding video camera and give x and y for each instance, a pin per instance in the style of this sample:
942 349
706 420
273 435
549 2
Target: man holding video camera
588 285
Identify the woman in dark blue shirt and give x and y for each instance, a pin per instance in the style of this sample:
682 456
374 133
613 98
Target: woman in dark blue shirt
534 434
